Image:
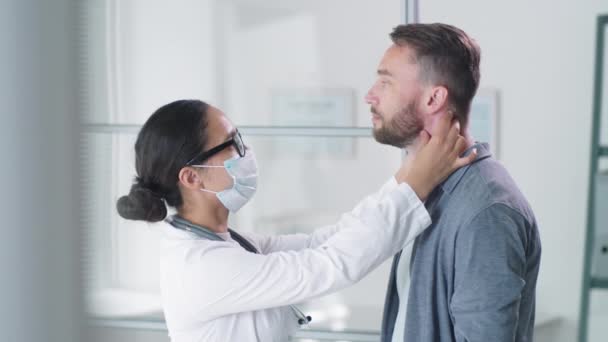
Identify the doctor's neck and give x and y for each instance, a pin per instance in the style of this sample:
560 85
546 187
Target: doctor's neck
211 217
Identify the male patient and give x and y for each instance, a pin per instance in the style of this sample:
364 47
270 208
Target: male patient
473 272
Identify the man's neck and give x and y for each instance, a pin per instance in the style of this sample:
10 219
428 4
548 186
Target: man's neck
469 140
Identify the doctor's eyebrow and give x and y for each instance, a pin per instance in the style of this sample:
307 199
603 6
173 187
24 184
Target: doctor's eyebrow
384 72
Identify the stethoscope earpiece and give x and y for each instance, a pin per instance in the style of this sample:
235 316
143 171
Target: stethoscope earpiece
303 321
302 318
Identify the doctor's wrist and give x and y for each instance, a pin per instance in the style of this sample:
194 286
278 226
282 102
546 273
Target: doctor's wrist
418 184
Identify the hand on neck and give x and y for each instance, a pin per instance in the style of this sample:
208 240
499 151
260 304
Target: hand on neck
430 123
411 149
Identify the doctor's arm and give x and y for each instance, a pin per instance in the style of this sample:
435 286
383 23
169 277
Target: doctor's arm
235 280
294 242
490 266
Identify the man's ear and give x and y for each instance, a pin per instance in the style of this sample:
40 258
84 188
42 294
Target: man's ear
436 99
189 178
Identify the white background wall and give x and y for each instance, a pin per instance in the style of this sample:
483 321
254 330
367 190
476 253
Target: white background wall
164 53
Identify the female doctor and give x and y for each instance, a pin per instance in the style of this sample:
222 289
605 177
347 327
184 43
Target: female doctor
218 285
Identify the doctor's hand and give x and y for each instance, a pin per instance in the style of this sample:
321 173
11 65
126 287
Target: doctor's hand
434 158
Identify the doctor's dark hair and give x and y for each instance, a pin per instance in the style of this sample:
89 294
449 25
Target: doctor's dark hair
446 56
172 135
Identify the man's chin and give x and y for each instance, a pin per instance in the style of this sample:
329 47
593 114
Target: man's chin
376 132
384 139
381 138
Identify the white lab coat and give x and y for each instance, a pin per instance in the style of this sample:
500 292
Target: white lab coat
217 291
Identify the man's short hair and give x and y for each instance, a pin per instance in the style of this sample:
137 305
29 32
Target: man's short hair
447 56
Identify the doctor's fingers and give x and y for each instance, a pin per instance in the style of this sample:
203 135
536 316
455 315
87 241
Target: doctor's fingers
441 129
462 161
453 134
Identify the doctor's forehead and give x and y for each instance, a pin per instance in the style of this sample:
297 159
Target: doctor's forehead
219 127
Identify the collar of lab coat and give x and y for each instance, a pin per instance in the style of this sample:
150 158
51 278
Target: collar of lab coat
173 233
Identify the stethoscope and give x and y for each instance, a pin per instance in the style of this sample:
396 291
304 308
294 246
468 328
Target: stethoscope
181 223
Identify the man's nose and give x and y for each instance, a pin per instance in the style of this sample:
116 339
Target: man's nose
370 98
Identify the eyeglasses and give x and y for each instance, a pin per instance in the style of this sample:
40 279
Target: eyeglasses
236 141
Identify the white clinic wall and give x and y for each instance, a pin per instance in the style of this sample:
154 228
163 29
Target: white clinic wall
158 52
540 55
299 44
164 53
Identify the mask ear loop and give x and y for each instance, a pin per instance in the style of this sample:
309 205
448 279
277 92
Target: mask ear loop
213 167
210 166
209 191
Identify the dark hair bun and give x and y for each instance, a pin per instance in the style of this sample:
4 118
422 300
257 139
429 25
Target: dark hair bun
142 204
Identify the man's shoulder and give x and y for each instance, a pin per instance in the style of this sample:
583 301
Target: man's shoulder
487 185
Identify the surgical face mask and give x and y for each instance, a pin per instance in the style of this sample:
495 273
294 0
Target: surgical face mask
244 173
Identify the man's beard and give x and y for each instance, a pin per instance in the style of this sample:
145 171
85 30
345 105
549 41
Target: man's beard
402 130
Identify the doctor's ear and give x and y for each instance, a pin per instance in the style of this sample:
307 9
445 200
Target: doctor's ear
190 178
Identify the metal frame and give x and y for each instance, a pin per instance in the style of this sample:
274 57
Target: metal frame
411 12
597 151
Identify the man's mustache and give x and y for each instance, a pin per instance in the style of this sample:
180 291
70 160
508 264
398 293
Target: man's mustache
375 111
